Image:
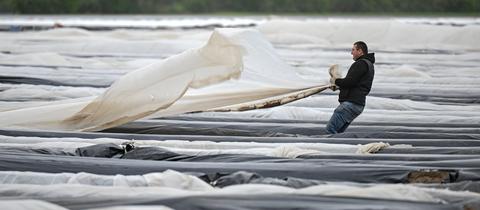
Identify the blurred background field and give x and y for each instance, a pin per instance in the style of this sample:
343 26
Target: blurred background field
322 7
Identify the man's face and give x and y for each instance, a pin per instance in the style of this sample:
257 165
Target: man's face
356 52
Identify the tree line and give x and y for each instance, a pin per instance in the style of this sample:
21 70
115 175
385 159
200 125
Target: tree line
238 6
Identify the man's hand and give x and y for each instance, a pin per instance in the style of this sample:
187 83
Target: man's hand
334 75
333 86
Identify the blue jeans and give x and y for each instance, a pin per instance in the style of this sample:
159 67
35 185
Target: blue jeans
343 115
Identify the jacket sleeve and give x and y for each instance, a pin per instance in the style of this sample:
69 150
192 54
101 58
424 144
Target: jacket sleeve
355 73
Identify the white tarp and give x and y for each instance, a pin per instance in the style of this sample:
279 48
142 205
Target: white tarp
283 150
168 178
235 67
86 189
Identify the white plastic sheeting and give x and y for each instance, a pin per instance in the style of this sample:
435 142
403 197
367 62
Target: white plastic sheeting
28 204
397 110
139 21
284 150
385 34
161 87
169 178
135 207
84 191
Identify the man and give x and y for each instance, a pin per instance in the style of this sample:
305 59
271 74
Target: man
353 88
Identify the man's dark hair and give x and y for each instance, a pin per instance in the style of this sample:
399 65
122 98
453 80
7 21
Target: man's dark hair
362 46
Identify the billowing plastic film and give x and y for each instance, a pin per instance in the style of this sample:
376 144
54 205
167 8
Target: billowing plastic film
235 68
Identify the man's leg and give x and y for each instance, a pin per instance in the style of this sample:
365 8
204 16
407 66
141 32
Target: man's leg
344 127
343 115
337 120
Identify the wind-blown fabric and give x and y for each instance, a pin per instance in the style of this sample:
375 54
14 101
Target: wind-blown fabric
235 68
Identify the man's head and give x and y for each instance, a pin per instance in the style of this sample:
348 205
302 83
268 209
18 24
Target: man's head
359 48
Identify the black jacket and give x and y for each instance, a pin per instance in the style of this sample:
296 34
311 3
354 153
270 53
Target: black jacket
357 83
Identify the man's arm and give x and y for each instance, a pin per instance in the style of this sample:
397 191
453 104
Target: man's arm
354 75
